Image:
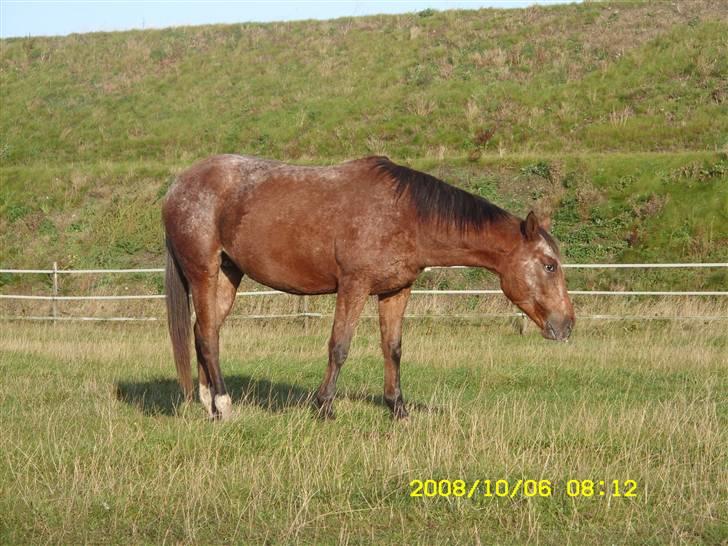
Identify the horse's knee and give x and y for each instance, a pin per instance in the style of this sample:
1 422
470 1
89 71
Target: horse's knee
339 351
394 349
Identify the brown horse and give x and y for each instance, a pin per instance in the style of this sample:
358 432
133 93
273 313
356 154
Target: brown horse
364 227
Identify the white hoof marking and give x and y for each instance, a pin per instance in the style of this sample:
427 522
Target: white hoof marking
205 398
224 405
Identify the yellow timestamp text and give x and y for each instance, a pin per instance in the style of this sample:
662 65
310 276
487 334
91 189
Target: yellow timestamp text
528 488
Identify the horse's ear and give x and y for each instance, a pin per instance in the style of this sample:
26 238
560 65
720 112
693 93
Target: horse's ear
546 223
530 227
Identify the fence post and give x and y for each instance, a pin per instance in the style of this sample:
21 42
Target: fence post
305 314
55 292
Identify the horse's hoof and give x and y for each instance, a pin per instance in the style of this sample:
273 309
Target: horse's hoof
325 414
400 414
324 410
224 406
397 408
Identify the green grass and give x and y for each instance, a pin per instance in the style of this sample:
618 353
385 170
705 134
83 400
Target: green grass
607 76
98 447
609 116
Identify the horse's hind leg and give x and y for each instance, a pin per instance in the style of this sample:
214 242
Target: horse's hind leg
228 280
204 284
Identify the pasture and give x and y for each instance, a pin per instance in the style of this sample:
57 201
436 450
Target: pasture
97 446
607 116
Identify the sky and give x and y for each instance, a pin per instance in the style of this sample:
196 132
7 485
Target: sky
61 17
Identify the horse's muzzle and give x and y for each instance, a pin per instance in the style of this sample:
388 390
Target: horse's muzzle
558 330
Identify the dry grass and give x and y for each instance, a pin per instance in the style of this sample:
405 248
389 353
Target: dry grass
99 449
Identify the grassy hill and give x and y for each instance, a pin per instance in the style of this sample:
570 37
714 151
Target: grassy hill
610 116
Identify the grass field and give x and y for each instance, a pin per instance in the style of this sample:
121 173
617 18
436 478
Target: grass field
98 448
607 116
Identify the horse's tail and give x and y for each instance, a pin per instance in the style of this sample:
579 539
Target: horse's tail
178 320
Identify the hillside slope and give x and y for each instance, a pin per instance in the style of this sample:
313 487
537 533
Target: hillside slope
591 77
609 116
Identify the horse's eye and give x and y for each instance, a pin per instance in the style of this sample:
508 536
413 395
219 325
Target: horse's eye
550 267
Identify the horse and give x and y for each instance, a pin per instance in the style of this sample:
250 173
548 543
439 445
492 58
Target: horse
366 227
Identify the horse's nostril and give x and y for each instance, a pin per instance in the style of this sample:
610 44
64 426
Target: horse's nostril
551 330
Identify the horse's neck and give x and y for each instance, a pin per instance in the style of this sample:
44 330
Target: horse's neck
438 246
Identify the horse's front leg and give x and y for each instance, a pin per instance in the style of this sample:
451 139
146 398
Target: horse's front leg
350 300
391 312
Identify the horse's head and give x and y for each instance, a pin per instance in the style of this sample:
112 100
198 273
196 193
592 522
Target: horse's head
534 280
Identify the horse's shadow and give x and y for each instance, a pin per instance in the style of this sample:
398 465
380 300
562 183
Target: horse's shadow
163 396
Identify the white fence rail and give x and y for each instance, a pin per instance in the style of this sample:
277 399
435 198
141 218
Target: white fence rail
55 297
565 266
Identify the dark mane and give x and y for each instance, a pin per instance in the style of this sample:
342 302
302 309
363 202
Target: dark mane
433 198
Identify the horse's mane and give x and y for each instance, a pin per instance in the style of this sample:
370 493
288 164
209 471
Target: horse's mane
438 200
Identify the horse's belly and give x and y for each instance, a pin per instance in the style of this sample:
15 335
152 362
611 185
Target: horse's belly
294 268
292 281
